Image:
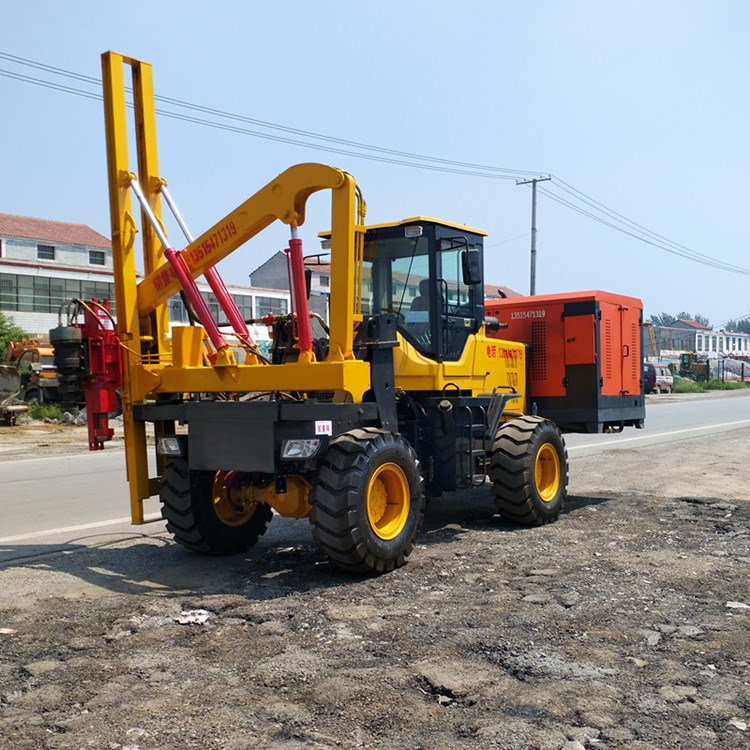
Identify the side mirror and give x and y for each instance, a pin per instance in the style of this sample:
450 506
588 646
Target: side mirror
471 266
308 282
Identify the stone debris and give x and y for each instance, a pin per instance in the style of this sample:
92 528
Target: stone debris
194 617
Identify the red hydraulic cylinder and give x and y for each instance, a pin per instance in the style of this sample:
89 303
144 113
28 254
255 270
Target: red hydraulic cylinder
177 263
300 295
228 305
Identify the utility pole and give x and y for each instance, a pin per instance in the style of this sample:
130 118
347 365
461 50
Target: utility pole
533 182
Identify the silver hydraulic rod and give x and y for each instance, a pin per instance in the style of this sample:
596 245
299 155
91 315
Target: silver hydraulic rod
150 215
177 215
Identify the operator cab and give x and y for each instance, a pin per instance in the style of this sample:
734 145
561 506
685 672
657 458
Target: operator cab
429 274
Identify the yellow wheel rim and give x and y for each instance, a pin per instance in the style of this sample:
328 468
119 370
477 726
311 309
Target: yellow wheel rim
234 506
388 499
547 472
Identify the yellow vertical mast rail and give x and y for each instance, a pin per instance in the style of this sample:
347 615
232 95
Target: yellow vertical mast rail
124 261
142 307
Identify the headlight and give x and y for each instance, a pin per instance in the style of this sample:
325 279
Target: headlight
299 449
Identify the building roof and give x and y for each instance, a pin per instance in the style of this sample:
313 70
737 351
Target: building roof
313 263
682 323
495 291
55 232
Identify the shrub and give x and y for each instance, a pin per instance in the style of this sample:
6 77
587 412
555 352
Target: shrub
685 385
9 331
46 411
725 385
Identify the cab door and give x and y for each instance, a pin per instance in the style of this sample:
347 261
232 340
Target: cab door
456 301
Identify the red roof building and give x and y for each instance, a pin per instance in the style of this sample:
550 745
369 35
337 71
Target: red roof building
54 232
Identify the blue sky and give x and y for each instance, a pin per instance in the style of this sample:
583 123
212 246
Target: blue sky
641 105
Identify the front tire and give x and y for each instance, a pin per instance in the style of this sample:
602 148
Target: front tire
368 502
206 513
529 471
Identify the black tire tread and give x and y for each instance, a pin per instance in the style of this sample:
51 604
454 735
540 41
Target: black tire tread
190 522
337 522
511 472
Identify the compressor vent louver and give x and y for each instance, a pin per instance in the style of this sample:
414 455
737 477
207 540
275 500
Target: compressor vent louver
608 349
634 363
539 351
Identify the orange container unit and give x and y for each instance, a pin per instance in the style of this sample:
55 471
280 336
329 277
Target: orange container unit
584 363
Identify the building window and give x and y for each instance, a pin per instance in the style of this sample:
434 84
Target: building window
324 281
244 304
8 291
177 311
41 300
266 305
45 252
96 257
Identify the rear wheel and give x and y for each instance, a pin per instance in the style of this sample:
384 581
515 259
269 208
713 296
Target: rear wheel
209 512
529 471
368 502
32 396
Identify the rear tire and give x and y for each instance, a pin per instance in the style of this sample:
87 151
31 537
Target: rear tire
32 396
368 501
202 516
529 471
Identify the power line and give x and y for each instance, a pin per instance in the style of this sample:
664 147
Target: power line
579 195
505 242
598 212
691 255
511 173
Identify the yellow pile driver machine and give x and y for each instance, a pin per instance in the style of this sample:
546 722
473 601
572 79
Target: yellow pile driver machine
406 396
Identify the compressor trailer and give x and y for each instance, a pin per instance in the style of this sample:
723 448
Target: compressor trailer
407 395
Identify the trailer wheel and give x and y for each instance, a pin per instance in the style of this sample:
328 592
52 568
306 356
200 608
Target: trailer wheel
368 501
206 514
529 471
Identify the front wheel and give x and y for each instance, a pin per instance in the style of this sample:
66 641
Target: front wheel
209 512
368 501
529 470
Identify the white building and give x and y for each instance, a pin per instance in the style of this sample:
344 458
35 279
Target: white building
722 343
44 263
689 336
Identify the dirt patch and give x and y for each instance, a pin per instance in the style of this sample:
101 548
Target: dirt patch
624 625
33 439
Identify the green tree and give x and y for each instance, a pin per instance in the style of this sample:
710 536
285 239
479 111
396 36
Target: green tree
9 331
662 319
739 326
665 319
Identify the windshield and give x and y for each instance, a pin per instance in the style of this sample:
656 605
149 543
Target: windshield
396 280
421 281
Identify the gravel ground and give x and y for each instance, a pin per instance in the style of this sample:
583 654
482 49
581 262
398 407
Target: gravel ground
624 625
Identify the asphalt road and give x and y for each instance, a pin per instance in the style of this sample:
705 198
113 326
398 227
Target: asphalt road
82 499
